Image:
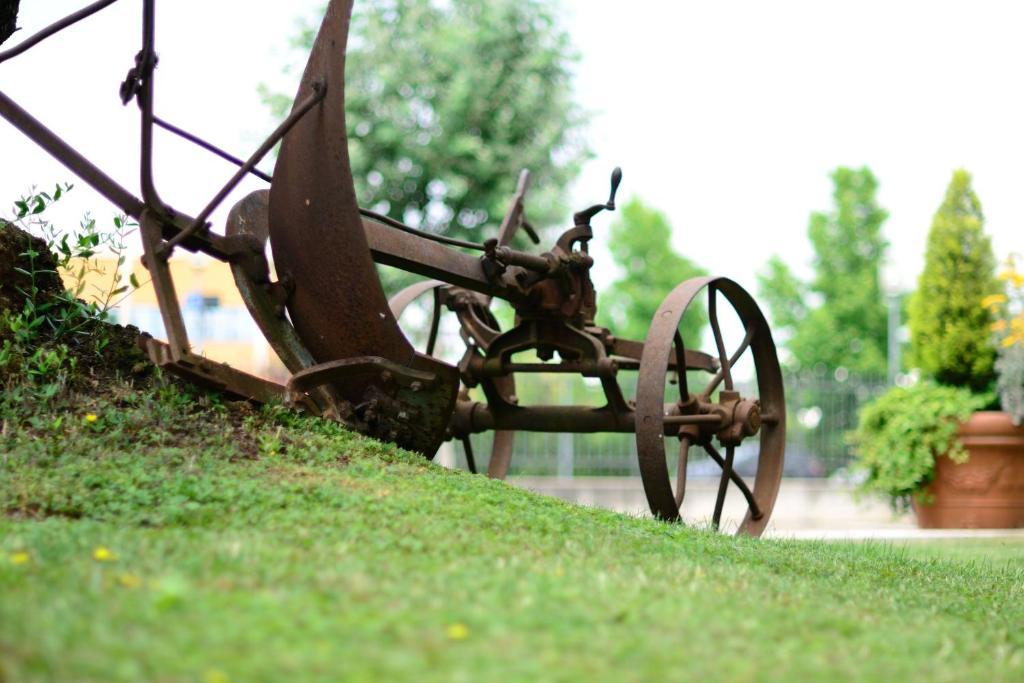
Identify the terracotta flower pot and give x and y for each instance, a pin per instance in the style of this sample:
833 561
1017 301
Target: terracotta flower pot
987 491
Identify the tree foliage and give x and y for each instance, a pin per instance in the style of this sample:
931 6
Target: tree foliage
838 319
447 102
949 329
8 18
651 269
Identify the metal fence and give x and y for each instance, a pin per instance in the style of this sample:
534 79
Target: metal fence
820 413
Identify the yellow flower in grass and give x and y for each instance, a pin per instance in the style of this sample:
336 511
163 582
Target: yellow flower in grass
90 418
215 676
457 631
20 557
102 554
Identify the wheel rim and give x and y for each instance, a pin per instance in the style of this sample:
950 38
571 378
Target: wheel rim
501 446
663 340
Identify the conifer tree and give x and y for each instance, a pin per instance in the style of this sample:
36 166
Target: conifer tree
950 333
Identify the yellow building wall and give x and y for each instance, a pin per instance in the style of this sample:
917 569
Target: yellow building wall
218 322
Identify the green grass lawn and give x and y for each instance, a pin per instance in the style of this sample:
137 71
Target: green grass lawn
998 552
162 541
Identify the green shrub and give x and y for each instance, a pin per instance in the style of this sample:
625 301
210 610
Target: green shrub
902 431
950 334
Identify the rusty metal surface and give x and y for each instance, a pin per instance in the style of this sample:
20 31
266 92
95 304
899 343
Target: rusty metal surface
430 259
328 320
248 218
316 231
211 374
466 304
731 420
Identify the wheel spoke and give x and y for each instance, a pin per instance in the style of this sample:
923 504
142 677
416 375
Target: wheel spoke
755 510
717 379
684 454
470 460
717 331
435 322
723 483
684 389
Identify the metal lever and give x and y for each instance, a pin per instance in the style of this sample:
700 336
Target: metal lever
616 179
583 217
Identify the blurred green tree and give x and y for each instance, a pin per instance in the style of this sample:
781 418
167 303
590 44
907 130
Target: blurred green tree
950 338
447 102
835 327
839 318
651 268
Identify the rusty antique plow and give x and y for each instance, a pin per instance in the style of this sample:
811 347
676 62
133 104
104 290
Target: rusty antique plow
327 317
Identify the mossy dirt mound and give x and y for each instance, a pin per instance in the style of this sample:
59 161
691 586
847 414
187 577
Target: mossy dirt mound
54 375
99 351
25 262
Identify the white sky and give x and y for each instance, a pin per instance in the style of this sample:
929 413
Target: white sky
727 115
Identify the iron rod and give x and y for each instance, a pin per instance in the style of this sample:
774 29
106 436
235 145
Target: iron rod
56 27
723 483
717 379
146 63
680 357
208 146
677 420
755 510
71 158
467 445
319 90
433 236
717 330
684 456
435 321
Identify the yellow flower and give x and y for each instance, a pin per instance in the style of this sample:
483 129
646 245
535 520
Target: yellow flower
993 300
1010 341
457 631
129 580
102 554
90 417
999 326
20 557
215 676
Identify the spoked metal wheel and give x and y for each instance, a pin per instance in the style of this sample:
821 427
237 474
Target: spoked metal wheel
691 417
501 447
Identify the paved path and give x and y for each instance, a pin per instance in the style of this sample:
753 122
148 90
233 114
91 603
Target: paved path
896 534
805 508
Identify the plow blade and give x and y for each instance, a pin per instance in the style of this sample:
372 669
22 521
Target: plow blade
336 303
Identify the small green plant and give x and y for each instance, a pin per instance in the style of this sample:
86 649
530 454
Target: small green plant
34 350
75 256
949 332
902 432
